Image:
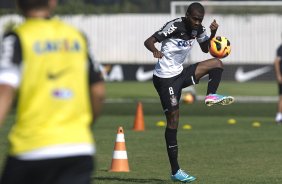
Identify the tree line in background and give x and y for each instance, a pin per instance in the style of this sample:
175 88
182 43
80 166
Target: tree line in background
114 6
102 6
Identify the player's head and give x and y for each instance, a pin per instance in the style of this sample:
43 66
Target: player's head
195 14
28 5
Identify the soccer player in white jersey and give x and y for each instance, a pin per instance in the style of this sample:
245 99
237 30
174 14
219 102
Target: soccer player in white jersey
177 38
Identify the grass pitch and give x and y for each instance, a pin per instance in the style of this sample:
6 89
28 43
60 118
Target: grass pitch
213 150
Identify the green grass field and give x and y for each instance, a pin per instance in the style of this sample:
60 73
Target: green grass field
214 151
143 90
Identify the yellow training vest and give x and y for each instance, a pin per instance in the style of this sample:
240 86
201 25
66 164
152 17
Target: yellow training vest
53 104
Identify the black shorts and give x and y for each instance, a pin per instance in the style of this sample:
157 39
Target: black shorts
169 89
68 170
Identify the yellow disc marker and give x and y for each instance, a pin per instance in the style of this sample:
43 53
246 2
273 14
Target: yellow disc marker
232 121
160 123
187 127
256 124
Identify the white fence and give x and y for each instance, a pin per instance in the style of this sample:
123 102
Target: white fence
119 38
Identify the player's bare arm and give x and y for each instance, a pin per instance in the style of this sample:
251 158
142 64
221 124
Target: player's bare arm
150 45
213 28
6 99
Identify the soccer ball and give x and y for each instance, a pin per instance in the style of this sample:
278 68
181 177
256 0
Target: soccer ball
219 47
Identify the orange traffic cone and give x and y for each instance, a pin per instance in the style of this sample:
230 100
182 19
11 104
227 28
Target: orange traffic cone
119 161
139 118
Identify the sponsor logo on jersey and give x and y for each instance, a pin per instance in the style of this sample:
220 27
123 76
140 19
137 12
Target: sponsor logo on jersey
62 45
62 93
56 75
170 30
184 43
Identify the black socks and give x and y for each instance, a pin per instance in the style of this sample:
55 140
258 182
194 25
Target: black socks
172 148
214 80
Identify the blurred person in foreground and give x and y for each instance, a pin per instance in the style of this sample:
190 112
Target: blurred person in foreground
278 72
170 77
60 95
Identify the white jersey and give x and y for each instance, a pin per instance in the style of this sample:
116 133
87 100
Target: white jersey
177 40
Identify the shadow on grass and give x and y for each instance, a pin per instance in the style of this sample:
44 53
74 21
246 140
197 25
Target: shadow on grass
129 180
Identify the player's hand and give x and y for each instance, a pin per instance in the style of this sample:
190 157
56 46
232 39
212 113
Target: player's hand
213 27
158 54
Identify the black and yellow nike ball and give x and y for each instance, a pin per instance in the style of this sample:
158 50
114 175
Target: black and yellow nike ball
219 47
